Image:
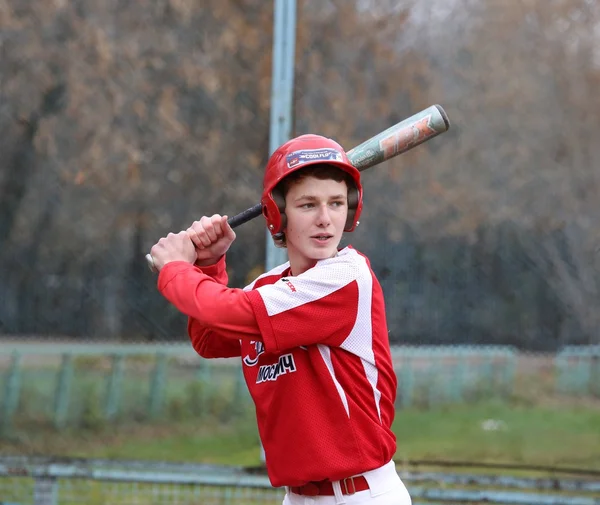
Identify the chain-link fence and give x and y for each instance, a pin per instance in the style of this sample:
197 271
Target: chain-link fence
92 386
36 481
123 121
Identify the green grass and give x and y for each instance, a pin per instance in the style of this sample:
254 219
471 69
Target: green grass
567 437
533 435
234 445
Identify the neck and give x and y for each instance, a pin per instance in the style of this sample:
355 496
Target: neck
299 265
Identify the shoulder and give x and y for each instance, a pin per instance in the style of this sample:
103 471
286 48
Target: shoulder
344 268
348 261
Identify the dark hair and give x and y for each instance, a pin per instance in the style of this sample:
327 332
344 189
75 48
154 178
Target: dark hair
321 171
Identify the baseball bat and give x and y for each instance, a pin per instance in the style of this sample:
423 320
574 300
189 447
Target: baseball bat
397 139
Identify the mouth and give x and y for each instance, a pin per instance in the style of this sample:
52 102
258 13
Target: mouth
322 238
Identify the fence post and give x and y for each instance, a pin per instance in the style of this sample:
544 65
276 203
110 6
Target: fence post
63 391
239 390
45 491
157 385
595 375
584 374
459 377
561 376
407 382
113 393
487 371
11 393
203 377
511 370
431 378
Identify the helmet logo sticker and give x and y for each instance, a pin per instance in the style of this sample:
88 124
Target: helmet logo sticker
306 155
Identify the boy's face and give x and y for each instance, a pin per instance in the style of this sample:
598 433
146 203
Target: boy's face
316 213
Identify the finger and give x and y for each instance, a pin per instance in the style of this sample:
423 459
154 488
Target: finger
154 249
211 232
193 235
186 247
154 259
216 222
202 233
195 231
184 239
227 229
164 242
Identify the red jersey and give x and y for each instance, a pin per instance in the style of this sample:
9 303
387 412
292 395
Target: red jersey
316 358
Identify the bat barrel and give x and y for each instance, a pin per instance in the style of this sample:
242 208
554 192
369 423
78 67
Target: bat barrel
444 117
400 138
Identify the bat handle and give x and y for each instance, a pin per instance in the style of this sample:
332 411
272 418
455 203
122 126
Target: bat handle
234 222
245 216
150 263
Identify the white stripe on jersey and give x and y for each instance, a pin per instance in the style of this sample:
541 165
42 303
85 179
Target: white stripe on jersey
326 355
360 340
326 277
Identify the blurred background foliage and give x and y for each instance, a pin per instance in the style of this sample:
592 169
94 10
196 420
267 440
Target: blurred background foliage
121 121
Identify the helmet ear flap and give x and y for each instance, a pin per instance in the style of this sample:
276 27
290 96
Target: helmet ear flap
279 200
353 199
279 221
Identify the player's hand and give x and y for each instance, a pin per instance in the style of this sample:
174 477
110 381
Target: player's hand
212 237
173 247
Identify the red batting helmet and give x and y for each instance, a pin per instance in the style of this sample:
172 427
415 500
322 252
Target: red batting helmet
298 153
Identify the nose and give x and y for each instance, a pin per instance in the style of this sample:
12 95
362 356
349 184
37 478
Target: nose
323 217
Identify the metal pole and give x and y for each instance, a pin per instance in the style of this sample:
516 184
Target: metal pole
282 92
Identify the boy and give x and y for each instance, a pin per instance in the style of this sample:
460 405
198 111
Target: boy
311 333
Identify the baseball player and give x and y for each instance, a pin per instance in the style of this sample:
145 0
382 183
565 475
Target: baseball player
311 333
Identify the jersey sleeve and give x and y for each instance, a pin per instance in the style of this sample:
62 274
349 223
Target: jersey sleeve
210 344
206 342
217 272
225 311
318 306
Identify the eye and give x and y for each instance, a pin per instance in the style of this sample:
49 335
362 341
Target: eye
338 203
307 205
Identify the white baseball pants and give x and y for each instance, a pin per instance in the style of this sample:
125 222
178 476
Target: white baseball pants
385 488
